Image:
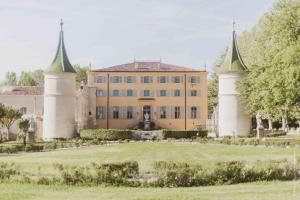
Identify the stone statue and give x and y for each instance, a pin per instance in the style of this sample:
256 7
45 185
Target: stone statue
147 117
259 124
31 124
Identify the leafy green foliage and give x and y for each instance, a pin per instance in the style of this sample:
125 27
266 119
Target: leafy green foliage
81 75
24 127
273 80
10 115
183 133
106 134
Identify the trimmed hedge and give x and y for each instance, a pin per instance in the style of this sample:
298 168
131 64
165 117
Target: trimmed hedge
122 173
106 134
275 133
183 133
173 174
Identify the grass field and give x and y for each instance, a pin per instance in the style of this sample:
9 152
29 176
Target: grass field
146 153
253 191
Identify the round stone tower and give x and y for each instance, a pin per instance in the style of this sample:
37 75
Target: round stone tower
233 121
59 96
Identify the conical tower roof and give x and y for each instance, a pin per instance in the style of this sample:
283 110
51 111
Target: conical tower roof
61 62
233 61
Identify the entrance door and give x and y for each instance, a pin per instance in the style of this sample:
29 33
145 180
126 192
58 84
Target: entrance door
146 112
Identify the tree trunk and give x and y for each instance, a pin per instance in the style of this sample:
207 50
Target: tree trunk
270 124
284 121
7 129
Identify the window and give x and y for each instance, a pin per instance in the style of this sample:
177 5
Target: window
163 93
100 79
100 112
129 112
116 79
116 93
163 112
177 112
129 93
146 79
163 79
129 79
193 112
193 93
177 79
146 93
177 93
100 93
116 111
194 79
23 110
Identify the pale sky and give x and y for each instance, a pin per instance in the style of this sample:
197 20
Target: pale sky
111 32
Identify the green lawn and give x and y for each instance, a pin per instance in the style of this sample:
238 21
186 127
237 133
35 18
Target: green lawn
146 153
253 191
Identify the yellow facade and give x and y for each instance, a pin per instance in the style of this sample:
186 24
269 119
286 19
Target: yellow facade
191 110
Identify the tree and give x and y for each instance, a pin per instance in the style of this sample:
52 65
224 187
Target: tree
81 75
10 115
26 79
213 84
272 85
24 127
38 76
10 79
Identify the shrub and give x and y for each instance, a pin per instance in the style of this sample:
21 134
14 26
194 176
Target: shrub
228 172
275 133
116 173
106 134
122 173
183 133
7 170
34 147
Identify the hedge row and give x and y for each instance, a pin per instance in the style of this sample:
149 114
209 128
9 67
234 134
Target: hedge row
106 134
274 133
123 173
172 174
165 174
183 133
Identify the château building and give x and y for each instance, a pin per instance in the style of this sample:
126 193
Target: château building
122 96
174 97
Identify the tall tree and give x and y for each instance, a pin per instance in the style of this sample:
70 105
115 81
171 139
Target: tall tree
213 84
26 79
10 79
273 84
